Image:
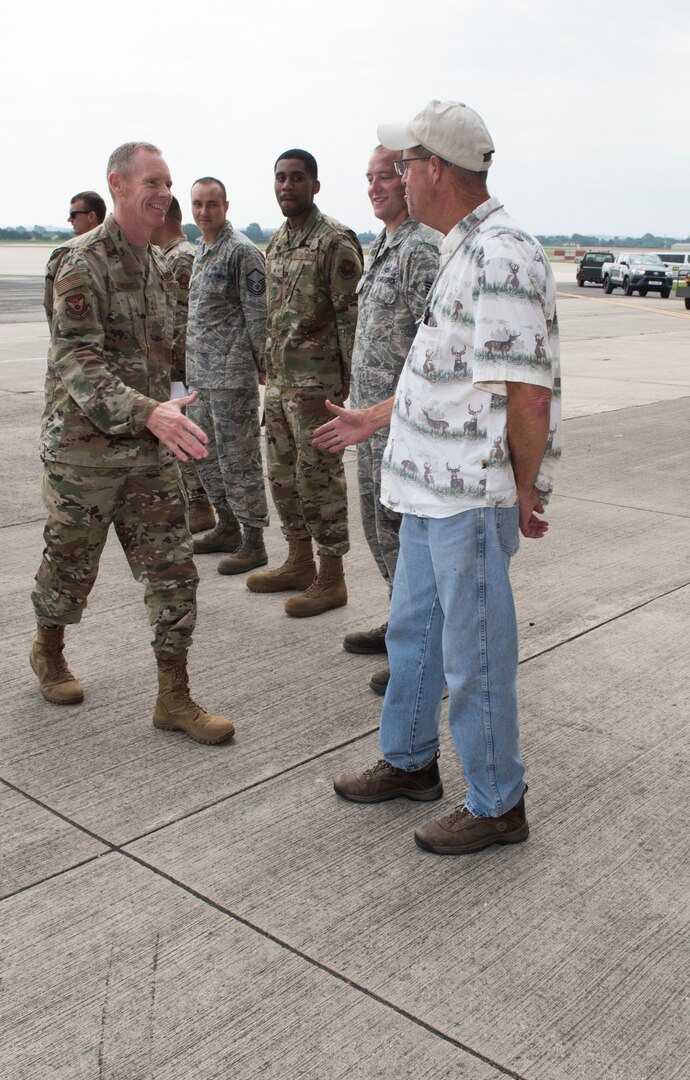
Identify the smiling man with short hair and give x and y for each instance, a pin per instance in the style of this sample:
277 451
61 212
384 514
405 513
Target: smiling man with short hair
109 439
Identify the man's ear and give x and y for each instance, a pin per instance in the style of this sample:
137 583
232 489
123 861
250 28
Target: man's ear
114 182
317 187
436 167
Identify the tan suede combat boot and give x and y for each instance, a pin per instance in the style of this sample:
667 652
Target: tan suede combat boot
226 536
249 554
328 591
297 572
201 516
57 682
176 709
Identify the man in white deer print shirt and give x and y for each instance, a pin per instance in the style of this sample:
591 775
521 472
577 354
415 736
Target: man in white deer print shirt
474 441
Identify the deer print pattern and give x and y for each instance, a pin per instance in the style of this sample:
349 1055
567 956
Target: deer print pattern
491 321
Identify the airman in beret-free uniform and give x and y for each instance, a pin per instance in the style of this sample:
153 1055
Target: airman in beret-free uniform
107 436
226 340
313 265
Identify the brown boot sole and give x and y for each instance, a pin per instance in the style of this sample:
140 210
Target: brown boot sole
306 614
216 549
516 837
398 793
250 565
268 585
162 726
76 699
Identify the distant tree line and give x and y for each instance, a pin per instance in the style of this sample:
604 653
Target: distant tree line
582 240
261 236
38 232
192 232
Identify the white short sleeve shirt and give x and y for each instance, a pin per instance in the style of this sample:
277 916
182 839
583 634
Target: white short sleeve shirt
490 319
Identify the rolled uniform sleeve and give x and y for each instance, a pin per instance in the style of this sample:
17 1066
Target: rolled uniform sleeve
344 272
77 315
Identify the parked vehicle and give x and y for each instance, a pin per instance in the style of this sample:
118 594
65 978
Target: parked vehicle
590 267
676 261
683 289
637 273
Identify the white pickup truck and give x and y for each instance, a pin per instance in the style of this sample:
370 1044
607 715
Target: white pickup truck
636 273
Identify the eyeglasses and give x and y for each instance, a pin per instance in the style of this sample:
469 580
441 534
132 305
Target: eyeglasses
401 164
73 213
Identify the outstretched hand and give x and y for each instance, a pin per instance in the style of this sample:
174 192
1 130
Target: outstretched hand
176 431
350 426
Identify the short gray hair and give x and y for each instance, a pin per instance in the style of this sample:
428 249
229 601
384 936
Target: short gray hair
120 161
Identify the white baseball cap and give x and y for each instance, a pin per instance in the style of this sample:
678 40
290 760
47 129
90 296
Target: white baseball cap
450 129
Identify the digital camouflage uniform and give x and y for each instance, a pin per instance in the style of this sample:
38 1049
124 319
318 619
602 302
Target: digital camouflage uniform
180 255
226 339
398 274
312 275
112 314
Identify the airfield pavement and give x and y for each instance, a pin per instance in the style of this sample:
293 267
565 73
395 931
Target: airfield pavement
182 912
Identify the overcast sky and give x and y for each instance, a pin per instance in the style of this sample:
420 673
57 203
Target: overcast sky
587 103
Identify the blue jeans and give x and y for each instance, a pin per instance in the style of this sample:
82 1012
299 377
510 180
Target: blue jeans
452 617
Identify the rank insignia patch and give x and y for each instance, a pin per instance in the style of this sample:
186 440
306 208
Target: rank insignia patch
347 268
77 306
256 282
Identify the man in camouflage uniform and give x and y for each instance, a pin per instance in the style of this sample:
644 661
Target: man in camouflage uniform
398 274
313 265
180 255
226 339
111 300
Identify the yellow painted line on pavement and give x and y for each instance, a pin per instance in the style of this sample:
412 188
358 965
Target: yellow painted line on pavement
622 303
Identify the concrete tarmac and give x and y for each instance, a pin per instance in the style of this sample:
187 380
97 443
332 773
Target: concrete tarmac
183 912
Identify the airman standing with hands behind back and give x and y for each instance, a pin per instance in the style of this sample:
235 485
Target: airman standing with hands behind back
226 340
108 430
313 264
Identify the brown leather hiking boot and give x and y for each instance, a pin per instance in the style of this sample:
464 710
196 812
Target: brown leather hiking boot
249 554
460 833
226 536
297 572
57 682
201 516
379 680
383 781
176 709
367 642
326 592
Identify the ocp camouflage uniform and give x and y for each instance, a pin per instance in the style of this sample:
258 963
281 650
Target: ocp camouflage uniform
226 339
312 274
180 255
112 313
398 274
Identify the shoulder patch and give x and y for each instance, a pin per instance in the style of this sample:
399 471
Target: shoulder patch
70 281
346 268
256 282
77 306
